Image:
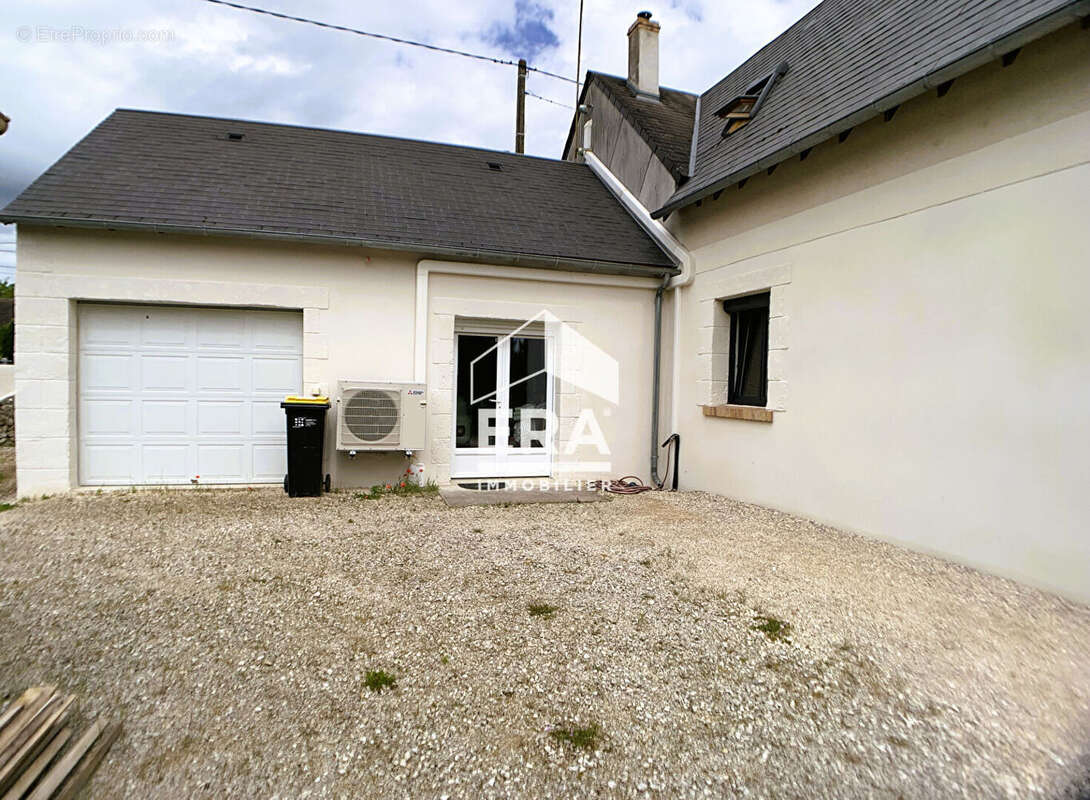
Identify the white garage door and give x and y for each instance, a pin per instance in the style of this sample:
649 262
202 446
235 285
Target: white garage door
174 394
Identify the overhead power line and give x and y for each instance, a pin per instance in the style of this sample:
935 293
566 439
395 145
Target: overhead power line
547 100
384 37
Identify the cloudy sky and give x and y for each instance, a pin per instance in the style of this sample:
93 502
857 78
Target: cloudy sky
68 63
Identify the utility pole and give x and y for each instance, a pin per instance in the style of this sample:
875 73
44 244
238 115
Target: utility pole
520 110
578 56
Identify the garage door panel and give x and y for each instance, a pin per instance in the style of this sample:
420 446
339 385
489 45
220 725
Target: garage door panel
267 418
222 333
221 374
109 463
107 371
168 463
164 373
221 463
221 418
169 393
165 418
270 462
108 327
276 375
274 333
104 417
167 329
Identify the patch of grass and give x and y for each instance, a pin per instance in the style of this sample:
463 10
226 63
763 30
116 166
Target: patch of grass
378 679
542 610
6 506
399 489
584 737
774 629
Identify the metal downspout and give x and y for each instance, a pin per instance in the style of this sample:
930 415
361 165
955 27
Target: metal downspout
656 375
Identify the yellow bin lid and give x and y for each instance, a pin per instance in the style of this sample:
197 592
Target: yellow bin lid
318 401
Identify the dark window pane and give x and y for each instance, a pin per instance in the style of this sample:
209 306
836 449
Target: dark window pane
476 389
748 378
529 389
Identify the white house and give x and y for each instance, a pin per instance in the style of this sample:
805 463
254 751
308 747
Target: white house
166 310
858 299
889 208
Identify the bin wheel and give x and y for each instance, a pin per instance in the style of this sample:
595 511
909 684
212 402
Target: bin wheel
285 483
326 484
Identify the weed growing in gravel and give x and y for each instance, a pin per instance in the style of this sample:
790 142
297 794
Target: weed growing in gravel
774 629
6 506
400 489
542 610
586 738
378 679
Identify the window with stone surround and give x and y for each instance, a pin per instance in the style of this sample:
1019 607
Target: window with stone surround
718 291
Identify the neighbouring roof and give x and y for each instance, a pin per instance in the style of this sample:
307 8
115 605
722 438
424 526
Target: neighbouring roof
666 125
173 172
848 61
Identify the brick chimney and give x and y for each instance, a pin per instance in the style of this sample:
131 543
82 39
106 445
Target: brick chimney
643 56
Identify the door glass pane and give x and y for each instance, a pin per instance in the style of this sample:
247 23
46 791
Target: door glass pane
528 394
476 389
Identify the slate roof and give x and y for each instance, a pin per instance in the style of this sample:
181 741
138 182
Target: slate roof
174 172
666 126
848 61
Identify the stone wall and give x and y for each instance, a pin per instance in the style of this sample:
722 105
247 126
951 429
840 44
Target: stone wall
7 422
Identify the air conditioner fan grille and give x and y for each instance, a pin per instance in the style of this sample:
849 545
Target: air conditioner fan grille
373 415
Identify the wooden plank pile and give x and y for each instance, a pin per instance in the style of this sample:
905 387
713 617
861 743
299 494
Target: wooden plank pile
34 730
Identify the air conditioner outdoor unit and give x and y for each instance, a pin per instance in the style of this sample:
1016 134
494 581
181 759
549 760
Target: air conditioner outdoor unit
381 416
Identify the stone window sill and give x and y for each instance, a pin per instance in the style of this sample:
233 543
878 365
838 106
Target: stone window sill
748 413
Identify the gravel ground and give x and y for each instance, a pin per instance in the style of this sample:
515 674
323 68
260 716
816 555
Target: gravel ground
234 632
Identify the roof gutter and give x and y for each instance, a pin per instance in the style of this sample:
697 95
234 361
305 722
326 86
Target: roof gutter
466 254
978 58
655 229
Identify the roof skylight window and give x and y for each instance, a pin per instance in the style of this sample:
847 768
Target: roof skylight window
742 109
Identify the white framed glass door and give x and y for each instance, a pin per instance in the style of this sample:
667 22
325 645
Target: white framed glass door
503 406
